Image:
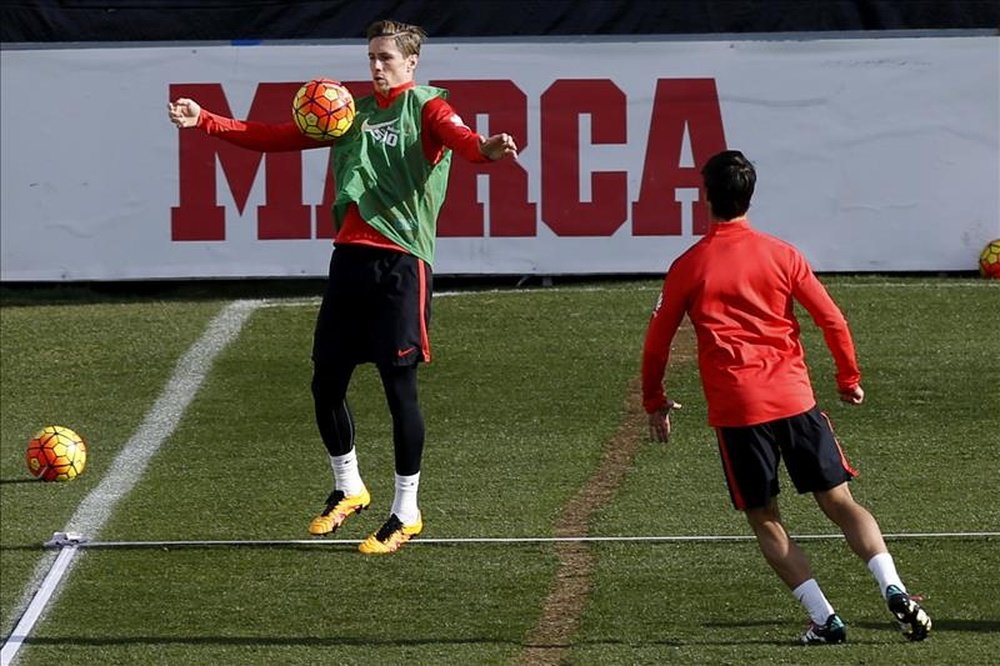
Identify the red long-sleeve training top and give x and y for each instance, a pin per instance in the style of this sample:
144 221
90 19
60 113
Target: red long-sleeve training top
737 286
441 128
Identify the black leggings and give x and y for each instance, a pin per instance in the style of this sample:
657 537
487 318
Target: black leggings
336 424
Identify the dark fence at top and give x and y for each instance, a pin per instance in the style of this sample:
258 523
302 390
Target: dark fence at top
213 20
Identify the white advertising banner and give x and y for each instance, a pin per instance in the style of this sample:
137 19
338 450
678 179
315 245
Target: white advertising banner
872 154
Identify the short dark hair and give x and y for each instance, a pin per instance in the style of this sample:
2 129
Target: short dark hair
729 181
408 37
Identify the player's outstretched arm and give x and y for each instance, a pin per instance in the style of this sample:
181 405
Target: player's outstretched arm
184 112
262 137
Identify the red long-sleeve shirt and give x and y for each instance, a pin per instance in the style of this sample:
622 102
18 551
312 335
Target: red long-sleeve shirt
737 286
441 128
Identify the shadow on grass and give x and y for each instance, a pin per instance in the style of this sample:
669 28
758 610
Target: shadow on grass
985 626
774 624
978 626
4 482
789 633
940 625
333 641
679 643
259 641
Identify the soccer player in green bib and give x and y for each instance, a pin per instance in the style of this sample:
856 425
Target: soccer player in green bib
391 171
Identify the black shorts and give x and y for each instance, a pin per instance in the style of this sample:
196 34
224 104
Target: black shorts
813 458
376 309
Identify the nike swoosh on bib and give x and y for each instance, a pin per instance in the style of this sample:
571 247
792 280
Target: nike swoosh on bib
366 127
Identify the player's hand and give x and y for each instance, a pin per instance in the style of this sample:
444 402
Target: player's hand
852 396
499 146
184 112
659 421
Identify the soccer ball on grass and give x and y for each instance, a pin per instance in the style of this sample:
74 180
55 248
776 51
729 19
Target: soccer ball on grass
989 260
323 109
56 453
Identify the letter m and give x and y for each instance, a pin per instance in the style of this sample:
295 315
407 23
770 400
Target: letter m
199 217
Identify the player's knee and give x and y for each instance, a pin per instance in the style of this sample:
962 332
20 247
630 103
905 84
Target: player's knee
400 385
320 386
329 383
763 516
837 503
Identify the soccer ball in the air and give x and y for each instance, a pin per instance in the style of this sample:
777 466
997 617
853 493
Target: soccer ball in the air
323 109
989 260
56 453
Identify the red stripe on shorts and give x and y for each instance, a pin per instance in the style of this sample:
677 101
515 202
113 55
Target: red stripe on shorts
425 340
727 466
843 457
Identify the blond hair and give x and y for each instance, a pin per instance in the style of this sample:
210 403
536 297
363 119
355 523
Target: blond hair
408 37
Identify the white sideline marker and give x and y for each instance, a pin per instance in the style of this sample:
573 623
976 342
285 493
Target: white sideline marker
38 604
160 422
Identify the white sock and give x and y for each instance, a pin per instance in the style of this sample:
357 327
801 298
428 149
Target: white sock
810 596
346 476
404 505
884 570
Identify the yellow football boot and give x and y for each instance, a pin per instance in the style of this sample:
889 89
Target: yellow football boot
391 536
339 507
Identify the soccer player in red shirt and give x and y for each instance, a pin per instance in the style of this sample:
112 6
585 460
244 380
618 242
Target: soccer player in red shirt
737 286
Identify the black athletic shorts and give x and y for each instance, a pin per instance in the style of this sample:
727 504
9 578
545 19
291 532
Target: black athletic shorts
813 458
376 309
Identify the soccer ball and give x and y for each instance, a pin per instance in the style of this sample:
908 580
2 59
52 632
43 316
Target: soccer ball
989 260
56 453
323 109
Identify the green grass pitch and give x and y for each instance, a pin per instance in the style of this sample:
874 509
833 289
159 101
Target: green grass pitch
527 391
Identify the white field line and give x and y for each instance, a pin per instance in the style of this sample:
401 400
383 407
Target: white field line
160 422
976 284
38 603
315 300
80 542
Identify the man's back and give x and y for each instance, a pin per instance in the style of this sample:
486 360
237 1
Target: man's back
737 286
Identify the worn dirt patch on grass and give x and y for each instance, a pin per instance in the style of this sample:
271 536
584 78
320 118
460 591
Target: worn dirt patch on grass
550 639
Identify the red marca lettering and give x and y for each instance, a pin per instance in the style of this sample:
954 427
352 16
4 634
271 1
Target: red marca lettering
679 106
511 214
198 217
562 105
678 103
